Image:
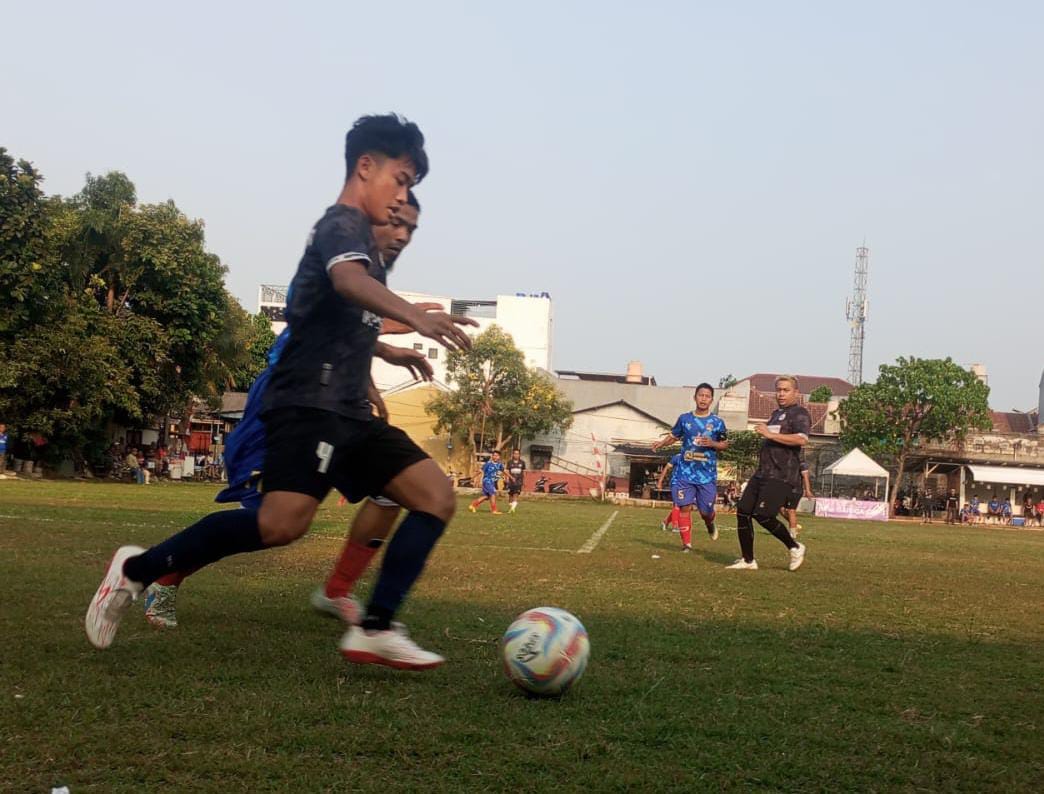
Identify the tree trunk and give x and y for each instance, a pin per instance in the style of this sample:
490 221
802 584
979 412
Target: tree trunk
895 485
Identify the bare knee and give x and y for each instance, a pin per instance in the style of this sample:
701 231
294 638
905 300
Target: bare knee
443 504
282 521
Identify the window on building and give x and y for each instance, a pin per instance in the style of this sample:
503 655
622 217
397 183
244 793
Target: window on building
433 352
418 346
478 309
540 457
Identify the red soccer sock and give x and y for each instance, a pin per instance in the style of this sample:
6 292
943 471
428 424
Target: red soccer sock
354 560
685 528
176 578
492 504
672 519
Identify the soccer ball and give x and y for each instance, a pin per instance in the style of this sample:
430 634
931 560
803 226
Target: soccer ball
545 650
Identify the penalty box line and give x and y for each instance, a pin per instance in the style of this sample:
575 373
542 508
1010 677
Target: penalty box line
592 541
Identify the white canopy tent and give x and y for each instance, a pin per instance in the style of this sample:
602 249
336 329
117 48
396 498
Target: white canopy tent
858 464
1007 475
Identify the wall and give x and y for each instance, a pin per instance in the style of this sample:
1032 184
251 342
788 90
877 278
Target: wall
613 422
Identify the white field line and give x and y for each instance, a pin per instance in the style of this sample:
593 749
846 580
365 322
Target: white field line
592 541
312 536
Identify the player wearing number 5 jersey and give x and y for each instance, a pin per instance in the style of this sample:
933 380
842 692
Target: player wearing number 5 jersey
695 477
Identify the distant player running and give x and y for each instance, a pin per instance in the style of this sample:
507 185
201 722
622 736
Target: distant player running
516 478
777 476
703 436
492 473
320 430
671 522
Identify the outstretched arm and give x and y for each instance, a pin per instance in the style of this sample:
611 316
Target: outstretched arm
352 282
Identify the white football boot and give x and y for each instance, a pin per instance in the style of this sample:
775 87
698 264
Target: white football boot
114 595
742 565
797 556
392 648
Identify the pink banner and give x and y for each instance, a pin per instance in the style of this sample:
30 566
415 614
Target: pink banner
852 508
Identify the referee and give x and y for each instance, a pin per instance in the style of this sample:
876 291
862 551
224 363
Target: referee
778 475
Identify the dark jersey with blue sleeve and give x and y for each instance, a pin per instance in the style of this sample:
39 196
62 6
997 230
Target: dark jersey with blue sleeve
326 361
698 465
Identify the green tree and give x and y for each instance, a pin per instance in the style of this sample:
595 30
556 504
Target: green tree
259 338
496 396
727 381
913 401
820 394
742 452
109 311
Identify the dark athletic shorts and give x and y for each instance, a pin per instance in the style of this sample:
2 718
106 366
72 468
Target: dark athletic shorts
310 451
793 500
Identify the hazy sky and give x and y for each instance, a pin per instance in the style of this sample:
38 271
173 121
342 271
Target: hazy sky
688 180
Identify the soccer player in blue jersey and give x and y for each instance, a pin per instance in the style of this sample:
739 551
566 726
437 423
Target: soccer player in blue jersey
671 522
492 473
703 436
319 426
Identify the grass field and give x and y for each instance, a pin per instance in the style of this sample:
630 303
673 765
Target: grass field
899 657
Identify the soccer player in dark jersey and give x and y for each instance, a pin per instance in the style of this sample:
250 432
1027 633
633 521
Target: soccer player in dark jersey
695 480
516 478
244 459
777 476
492 473
320 430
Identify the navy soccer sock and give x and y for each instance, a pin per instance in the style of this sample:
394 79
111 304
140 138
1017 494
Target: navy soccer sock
403 562
215 536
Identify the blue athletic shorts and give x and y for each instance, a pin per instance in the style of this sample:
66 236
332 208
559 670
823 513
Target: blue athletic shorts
701 494
489 488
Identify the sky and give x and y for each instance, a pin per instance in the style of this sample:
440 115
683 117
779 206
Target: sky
689 181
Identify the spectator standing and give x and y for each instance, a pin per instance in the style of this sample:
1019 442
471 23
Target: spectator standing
3 449
925 506
952 503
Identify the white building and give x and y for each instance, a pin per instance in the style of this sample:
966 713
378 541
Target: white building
271 302
527 318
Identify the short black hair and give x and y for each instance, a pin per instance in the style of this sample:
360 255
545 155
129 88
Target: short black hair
411 199
704 386
389 134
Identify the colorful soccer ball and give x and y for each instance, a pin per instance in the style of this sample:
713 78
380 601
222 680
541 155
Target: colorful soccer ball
545 650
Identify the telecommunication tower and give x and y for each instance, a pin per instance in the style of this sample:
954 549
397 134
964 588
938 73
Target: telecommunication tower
856 311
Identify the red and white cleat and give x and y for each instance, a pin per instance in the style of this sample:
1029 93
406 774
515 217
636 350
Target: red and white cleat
392 648
344 607
115 594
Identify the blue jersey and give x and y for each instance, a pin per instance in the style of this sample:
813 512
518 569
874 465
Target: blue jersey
245 452
698 464
491 472
676 463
